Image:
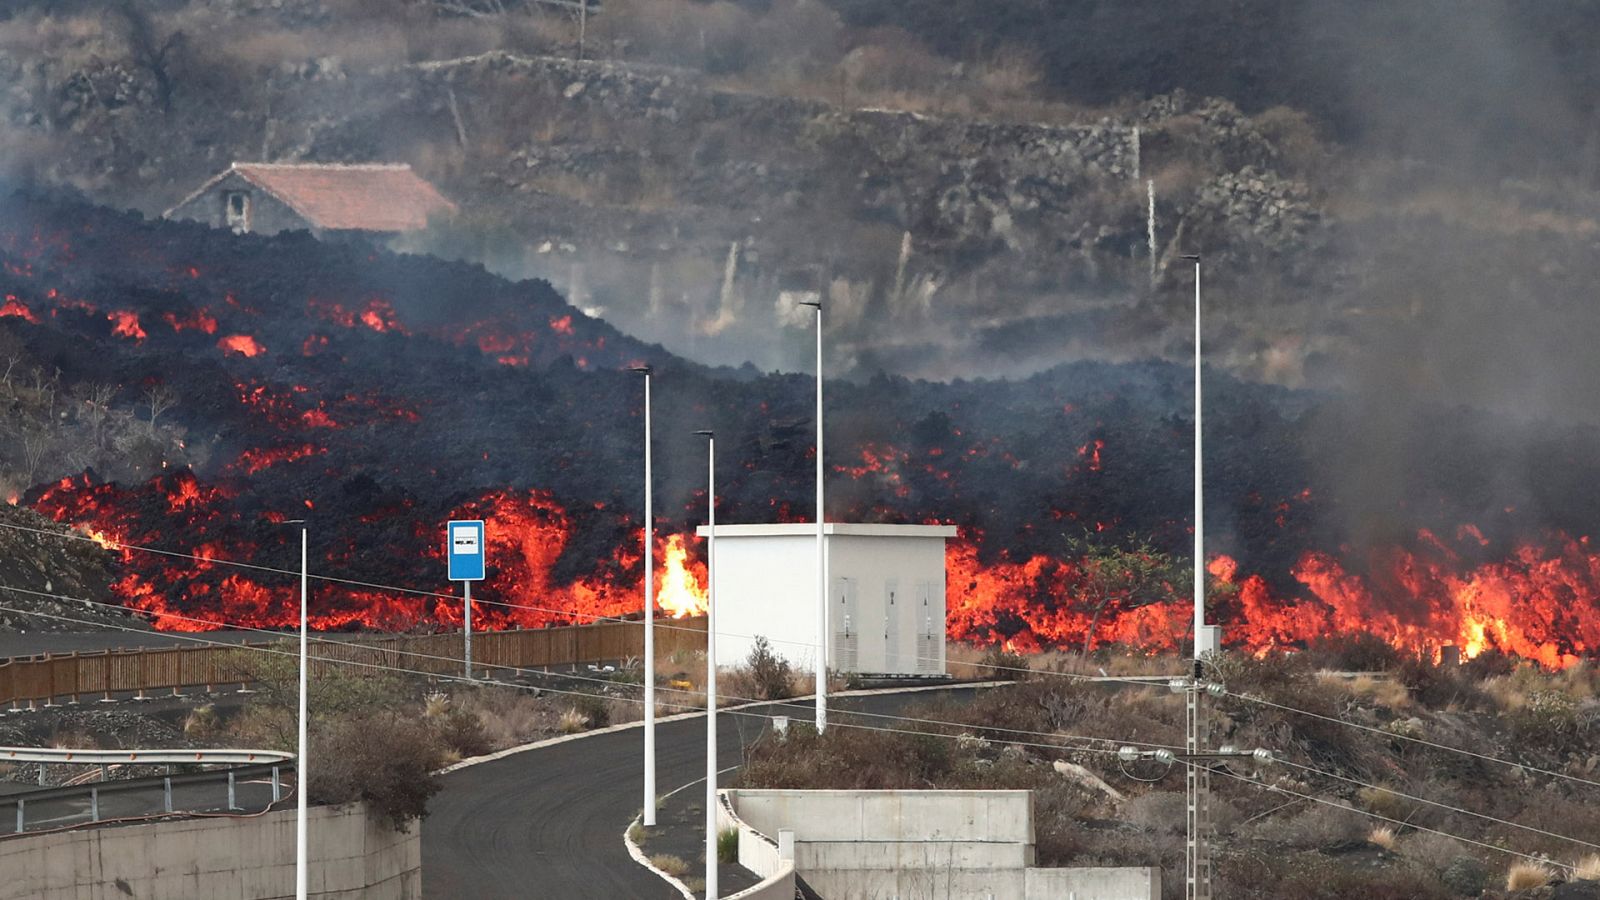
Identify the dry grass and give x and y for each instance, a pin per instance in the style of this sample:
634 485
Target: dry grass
672 865
1385 692
572 722
1587 869
1527 875
1383 837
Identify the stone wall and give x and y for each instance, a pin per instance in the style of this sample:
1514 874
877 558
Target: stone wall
246 858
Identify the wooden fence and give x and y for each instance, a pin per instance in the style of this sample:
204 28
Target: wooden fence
96 675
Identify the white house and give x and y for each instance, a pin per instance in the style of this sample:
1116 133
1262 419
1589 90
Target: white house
886 595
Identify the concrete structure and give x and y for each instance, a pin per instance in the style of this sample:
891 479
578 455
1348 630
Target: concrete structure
267 198
938 845
886 595
772 859
247 858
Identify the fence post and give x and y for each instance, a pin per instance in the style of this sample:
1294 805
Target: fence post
166 793
231 804
21 805
94 804
41 774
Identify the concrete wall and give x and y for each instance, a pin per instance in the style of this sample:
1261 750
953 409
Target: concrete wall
862 845
1124 883
351 857
887 583
930 845
761 855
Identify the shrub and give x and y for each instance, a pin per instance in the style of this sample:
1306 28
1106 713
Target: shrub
383 759
1359 652
1548 719
1157 811
999 664
771 673
461 732
728 846
1527 875
1321 827
1383 837
596 709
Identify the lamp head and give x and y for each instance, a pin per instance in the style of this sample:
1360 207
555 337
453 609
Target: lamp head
706 433
817 304
643 370
1192 257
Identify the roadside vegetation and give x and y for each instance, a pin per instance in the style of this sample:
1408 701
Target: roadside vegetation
1368 833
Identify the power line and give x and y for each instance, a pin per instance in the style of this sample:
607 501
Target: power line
749 714
1435 803
594 618
570 676
1372 815
1415 740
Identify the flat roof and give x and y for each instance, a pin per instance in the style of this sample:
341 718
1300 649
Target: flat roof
809 529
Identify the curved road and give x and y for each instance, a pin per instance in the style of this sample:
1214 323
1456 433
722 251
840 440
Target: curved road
548 823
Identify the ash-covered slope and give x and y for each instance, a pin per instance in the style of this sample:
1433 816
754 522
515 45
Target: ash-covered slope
377 395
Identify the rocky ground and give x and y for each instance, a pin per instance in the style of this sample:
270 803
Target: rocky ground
50 570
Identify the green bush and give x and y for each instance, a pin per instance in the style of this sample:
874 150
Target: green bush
728 846
771 673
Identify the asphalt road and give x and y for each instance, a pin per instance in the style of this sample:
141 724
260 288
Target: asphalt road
548 823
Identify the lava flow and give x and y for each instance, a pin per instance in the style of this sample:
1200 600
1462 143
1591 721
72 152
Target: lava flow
379 395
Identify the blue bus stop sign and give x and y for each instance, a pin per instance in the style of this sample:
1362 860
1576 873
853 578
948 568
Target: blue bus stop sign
464 548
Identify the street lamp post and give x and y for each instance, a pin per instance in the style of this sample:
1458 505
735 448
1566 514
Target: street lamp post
1199 470
711 664
822 564
301 882
649 621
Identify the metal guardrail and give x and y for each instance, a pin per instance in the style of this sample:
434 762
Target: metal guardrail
54 755
72 676
93 793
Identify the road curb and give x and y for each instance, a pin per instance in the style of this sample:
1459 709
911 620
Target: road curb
678 717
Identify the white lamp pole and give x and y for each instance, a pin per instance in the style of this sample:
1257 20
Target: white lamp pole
301 777
711 664
649 622
1199 469
822 564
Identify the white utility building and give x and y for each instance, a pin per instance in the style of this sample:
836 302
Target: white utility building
885 595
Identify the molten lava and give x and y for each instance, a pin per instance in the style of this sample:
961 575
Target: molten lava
240 345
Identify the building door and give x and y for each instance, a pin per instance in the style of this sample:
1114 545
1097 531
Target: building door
846 624
892 609
930 630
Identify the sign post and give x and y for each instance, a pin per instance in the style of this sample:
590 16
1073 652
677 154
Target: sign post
465 551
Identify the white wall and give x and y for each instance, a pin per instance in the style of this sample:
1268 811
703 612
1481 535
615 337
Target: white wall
930 845
766 586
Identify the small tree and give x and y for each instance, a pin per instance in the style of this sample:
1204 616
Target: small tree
158 398
1123 577
773 677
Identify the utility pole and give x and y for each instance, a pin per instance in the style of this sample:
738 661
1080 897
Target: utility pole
1197 762
711 663
301 778
822 553
649 622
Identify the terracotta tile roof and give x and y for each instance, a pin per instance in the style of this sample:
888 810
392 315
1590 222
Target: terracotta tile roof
359 197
